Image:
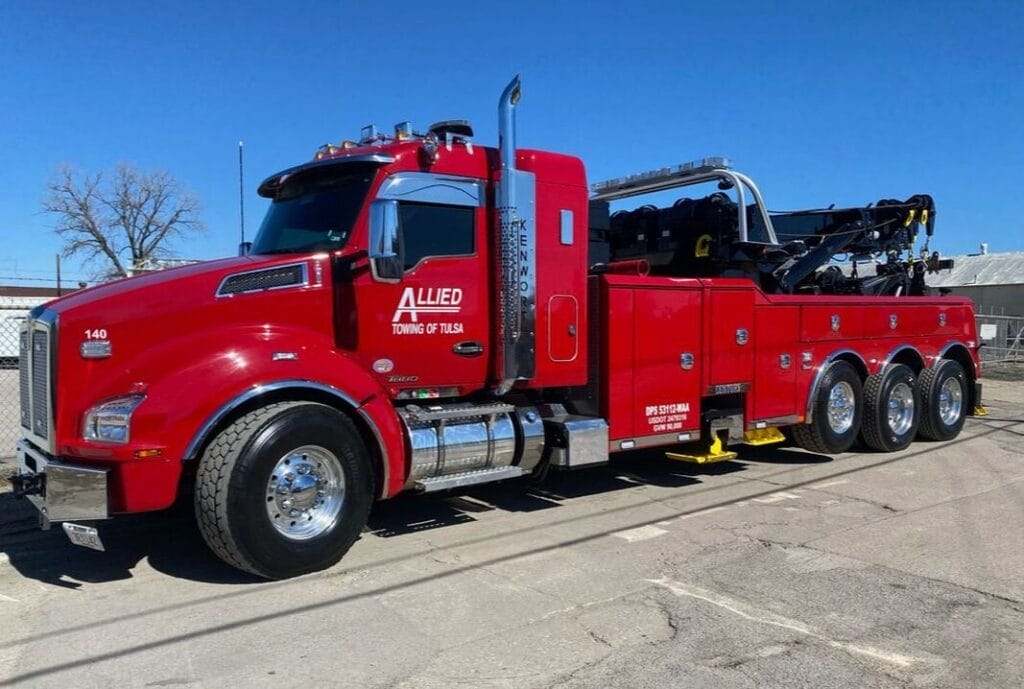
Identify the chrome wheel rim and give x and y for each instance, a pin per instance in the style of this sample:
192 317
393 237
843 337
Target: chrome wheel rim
305 493
901 408
951 401
841 407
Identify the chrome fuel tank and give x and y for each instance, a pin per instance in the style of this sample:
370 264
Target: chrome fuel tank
460 438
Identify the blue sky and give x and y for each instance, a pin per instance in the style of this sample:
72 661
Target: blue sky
819 104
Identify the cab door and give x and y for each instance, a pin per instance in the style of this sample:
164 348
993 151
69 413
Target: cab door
428 331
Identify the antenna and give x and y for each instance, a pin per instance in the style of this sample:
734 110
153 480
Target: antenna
241 193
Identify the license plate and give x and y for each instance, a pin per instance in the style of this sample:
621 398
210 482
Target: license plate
85 536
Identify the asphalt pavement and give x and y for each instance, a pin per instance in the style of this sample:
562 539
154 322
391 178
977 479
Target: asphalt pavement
780 569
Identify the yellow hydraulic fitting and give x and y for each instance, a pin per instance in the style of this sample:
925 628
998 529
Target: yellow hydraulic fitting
714 453
763 436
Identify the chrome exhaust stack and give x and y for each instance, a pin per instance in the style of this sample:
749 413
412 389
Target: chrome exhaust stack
517 286
507 132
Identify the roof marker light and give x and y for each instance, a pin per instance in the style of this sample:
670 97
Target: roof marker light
403 130
368 134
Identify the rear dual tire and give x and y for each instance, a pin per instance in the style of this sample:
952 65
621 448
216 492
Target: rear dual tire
942 391
891 409
836 412
893 406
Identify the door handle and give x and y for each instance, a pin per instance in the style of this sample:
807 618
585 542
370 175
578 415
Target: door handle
469 348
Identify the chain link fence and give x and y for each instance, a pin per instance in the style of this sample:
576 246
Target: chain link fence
1002 345
1002 338
11 319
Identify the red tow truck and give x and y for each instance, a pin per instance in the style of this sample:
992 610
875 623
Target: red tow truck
422 313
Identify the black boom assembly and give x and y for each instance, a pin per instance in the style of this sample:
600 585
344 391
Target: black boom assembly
785 252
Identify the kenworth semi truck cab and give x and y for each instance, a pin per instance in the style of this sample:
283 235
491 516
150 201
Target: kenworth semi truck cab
422 313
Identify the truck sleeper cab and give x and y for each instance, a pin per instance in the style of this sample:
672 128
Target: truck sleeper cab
420 313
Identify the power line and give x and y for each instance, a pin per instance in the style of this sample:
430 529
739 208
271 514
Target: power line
31 271
52 280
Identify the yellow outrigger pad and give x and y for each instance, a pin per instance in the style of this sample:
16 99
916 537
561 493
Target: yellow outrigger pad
715 453
763 436
979 410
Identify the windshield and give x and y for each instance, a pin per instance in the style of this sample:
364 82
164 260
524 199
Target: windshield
314 210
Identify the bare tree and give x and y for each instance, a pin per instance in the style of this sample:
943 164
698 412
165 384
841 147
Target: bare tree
124 223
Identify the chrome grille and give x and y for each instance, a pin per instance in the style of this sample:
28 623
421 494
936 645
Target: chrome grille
36 378
41 383
26 412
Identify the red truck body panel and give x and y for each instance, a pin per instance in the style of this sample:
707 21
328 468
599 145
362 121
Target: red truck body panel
650 324
775 390
561 324
649 398
199 354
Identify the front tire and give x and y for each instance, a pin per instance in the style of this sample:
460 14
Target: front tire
942 392
284 490
891 411
836 414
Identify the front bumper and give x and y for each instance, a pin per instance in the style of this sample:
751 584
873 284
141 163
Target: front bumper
61 492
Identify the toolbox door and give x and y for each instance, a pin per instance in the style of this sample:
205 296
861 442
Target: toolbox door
729 340
778 358
666 371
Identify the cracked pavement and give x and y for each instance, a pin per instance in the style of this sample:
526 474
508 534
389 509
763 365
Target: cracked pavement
780 569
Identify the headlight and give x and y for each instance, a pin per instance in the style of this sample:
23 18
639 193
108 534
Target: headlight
110 421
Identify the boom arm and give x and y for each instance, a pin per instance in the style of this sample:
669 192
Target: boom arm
784 252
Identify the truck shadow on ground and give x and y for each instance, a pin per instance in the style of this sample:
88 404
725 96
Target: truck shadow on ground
417 513
171 543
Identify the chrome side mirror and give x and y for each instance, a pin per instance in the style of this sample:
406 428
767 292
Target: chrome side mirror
387 257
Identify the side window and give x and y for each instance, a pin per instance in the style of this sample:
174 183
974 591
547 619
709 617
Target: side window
430 229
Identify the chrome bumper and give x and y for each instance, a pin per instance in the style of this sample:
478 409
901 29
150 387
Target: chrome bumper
61 492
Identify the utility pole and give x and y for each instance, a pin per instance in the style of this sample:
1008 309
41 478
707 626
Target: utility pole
241 194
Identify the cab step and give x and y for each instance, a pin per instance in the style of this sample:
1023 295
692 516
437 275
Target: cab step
468 478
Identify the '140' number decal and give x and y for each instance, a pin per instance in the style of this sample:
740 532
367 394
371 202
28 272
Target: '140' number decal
97 334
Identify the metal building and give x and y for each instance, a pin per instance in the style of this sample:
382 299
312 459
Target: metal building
994 282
